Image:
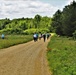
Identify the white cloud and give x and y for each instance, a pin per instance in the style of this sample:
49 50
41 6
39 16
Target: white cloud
25 8
69 1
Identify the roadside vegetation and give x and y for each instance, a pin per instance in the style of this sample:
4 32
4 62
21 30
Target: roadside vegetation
61 56
61 52
11 40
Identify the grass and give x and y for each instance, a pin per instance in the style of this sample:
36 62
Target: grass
11 40
61 56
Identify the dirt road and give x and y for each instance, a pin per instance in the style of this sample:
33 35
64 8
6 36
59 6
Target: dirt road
24 59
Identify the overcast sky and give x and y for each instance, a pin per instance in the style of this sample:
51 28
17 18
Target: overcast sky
29 8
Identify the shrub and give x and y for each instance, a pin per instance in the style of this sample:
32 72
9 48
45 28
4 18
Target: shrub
74 35
31 31
62 57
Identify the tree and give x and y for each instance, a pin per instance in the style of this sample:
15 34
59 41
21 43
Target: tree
37 20
56 25
69 19
23 26
64 23
3 23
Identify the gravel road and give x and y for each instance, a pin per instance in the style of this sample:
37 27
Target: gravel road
25 59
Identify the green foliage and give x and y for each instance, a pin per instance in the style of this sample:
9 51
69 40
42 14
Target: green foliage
74 35
45 22
3 23
30 31
56 23
25 25
64 23
8 31
69 19
11 31
33 30
11 40
37 21
61 56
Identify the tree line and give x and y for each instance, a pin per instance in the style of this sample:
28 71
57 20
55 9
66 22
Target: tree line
25 25
64 22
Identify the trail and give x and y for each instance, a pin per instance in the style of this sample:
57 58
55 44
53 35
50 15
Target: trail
25 59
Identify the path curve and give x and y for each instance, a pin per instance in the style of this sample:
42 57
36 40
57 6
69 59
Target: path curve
25 59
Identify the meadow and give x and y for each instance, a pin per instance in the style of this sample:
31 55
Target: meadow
11 40
61 56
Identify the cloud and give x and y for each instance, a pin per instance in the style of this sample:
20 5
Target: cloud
69 1
25 8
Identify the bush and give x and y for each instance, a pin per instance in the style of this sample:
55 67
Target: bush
31 31
11 31
74 35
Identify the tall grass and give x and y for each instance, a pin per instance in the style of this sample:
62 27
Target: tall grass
62 56
11 40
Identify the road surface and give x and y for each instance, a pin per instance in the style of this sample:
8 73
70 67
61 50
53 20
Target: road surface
24 59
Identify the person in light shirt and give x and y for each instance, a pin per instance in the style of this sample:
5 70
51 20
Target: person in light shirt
2 36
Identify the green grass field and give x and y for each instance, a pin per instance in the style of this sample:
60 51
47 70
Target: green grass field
61 56
11 40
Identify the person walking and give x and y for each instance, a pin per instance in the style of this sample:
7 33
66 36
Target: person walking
2 36
44 37
40 36
35 37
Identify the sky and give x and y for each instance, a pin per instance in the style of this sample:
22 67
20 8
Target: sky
29 8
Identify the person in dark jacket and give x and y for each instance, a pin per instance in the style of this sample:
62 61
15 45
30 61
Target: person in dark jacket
44 37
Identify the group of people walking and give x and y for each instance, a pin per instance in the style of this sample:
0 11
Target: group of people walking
37 36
